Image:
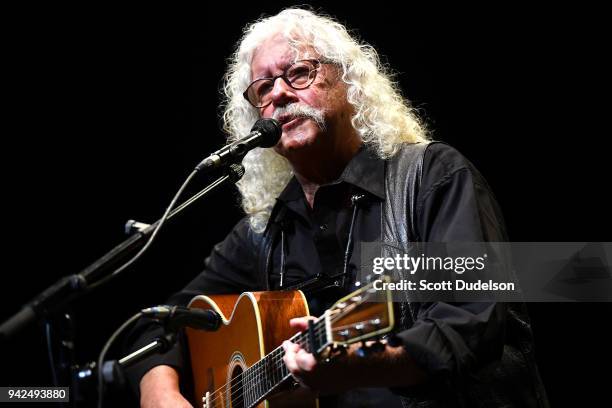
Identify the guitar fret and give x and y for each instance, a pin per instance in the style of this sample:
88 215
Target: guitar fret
250 389
245 391
280 367
265 374
257 382
261 379
275 369
251 384
262 376
272 368
244 379
268 375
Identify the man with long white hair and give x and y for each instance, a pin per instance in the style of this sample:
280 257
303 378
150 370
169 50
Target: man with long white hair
354 164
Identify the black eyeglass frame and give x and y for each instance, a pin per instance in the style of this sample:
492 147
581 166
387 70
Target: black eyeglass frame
317 63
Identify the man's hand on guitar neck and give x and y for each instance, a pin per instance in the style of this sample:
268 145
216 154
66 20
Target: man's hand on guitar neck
392 367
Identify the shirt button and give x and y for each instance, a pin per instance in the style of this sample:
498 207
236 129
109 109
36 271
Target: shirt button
323 227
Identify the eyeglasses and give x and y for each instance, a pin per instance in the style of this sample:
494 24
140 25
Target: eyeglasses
299 75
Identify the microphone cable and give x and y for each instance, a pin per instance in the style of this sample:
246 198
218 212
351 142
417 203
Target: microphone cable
105 349
142 250
235 172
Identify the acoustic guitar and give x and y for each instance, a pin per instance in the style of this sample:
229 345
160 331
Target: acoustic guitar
241 364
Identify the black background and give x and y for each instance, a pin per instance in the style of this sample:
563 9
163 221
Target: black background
107 110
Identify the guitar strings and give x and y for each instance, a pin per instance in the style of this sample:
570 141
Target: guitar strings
241 396
275 362
253 373
235 394
237 398
256 372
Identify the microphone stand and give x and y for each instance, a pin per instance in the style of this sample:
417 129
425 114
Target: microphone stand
68 288
53 301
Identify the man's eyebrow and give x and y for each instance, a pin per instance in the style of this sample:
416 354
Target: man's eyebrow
283 69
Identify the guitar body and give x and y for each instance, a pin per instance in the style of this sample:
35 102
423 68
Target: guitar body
254 323
241 364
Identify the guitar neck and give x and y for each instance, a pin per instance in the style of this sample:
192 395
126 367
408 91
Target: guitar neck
263 377
356 317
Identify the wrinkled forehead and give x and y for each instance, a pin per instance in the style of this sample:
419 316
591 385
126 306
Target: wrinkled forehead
277 53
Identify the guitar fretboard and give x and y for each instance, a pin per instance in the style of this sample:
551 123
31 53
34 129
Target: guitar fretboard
269 372
257 382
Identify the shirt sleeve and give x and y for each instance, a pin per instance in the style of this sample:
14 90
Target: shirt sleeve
449 340
228 269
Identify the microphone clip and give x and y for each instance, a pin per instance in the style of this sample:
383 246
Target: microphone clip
176 317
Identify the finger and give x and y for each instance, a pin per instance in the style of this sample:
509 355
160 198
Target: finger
289 359
304 360
300 323
289 346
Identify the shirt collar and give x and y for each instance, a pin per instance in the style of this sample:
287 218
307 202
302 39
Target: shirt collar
365 170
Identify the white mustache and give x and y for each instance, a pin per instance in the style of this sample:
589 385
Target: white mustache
301 111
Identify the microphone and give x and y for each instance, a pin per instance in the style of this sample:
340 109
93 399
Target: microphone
179 316
265 133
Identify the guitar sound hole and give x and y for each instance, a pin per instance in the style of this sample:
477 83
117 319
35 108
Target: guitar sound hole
236 392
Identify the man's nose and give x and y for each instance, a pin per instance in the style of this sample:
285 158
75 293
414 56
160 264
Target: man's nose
282 94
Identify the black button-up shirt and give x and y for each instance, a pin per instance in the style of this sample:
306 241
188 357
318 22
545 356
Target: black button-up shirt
454 204
316 239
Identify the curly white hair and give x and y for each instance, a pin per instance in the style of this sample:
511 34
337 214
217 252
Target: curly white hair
382 117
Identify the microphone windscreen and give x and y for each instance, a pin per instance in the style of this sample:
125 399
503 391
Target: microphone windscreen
270 129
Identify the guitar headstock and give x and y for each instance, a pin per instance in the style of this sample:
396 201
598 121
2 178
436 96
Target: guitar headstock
360 315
